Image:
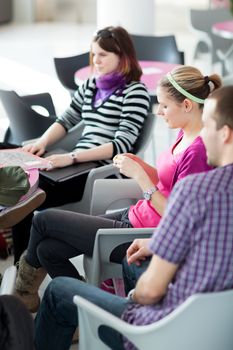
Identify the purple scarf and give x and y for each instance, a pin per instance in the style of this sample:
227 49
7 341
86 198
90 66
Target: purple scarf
106 85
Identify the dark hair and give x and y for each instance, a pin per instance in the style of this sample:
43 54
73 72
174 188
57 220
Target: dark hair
224 106
192 81
118 41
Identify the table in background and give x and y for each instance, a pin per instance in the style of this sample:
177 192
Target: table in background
225 30
153 71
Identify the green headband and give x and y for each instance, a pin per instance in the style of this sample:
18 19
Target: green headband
182 91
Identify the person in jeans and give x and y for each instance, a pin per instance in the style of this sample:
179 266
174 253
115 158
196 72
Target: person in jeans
190 252
56 236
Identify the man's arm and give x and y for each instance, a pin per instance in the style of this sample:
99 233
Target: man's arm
170 244
153 283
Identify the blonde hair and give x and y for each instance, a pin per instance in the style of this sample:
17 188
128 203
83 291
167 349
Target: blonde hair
192 81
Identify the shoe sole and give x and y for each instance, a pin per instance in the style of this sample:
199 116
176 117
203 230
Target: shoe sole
11 216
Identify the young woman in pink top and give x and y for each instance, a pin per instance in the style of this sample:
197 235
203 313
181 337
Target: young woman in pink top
57 236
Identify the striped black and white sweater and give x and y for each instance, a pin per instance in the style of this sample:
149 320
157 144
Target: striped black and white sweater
118 119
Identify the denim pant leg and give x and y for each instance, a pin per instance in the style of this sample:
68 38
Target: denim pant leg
57 317
131 273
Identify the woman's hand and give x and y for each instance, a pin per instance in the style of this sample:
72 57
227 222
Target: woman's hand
128 166
37 148
59 161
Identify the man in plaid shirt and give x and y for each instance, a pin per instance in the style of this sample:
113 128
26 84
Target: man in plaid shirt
190 252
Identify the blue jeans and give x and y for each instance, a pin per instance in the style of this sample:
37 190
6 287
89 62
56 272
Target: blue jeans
57 317
131 273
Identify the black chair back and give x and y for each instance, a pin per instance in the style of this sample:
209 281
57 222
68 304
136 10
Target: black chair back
24 122
66 68
157 48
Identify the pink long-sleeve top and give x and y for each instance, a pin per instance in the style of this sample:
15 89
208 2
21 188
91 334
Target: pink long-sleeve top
171 168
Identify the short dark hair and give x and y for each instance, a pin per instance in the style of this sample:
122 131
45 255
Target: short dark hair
224 106
118 41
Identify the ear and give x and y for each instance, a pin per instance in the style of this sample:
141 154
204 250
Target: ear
188 105
227 134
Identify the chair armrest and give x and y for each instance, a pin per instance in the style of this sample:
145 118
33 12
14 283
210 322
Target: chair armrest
91 317
109 238
8 280
106 318
43 99
97 173
102 315
206 311
105 242
84 206
107 192
104 171
70 140
24 143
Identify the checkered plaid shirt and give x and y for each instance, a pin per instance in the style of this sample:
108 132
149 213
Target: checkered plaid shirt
196 233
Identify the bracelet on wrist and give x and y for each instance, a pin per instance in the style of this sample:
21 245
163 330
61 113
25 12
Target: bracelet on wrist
148 194
130 295
74 158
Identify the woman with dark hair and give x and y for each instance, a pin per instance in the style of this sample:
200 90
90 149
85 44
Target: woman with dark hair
113 105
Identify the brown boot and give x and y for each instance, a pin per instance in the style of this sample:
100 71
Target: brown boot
28 281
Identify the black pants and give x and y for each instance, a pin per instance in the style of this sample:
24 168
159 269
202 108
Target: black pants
58 235
56 195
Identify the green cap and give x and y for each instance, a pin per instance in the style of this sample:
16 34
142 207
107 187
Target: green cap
14 183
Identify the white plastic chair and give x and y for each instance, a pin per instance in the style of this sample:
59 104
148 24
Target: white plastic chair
99 267
202 322
8 280
226 59
69 142
109 194
201 22
113 194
